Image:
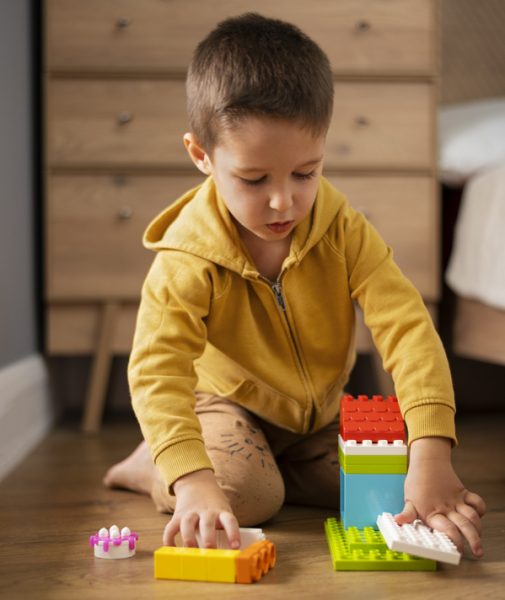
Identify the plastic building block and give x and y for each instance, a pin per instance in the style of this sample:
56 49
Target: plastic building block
364 496
248 535
367 551
381 448
376 468
418 539
114 543
374 419
195 564
364 539
208 564
255 561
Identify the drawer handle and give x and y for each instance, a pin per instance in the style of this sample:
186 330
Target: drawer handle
362 121
123 23
124 117
125 213
362 26
343 149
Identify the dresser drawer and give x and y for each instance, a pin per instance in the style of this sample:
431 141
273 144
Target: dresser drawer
75 328
94 232
359 36
116 122
381 125
405 212
141 123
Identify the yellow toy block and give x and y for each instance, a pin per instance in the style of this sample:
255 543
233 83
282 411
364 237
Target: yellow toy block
195 564
221 565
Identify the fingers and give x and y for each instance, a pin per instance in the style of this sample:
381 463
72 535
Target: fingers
207 528
170 532
231 527
442 523
458 527
189 523
207 523
471 514
469 531
476 502
408 514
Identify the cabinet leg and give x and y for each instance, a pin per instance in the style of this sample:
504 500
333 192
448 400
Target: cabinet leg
97 387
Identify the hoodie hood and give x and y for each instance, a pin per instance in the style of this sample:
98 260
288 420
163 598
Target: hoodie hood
199 223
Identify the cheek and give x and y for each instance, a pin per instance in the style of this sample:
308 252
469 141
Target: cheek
309 196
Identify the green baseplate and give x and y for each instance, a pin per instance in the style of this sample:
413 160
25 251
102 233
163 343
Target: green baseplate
356 549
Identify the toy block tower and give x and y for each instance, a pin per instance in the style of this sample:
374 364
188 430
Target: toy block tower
373 459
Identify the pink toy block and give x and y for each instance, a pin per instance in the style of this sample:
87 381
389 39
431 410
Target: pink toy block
113 543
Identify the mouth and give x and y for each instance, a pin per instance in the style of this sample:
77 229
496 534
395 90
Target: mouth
280 226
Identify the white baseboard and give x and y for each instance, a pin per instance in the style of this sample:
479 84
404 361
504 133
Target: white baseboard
26 414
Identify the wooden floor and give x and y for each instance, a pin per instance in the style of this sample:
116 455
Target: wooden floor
52 503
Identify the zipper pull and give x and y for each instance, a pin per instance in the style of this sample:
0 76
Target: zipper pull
277 289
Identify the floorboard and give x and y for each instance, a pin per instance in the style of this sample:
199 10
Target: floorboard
52 503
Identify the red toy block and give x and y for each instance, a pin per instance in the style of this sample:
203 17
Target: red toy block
374 419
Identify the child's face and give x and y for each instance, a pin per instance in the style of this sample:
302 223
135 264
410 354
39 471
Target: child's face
267 172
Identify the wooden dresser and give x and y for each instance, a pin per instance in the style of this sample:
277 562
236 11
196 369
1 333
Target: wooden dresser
114 117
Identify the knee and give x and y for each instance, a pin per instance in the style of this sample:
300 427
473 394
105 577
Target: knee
254 500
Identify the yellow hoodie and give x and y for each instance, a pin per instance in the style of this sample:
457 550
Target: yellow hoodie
209 321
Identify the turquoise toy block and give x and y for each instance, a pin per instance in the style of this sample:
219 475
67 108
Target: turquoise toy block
366 550
364 496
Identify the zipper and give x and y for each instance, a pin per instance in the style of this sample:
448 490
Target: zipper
277 290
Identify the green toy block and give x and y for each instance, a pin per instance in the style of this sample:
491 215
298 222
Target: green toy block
367 538
374 469
373 464
372 459
366 550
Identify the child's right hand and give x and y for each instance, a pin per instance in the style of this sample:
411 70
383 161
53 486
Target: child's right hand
200 504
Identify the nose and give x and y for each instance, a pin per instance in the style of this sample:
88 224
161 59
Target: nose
281 200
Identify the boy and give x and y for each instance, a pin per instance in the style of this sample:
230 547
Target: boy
244 337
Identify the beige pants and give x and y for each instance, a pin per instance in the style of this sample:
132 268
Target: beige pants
260 466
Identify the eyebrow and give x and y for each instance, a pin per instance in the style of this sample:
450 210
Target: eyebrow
259 169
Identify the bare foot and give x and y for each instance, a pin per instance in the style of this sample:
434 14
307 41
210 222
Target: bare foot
136 473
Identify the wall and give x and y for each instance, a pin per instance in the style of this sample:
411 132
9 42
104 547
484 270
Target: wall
25 410
17 304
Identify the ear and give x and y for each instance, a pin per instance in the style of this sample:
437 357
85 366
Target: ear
197 153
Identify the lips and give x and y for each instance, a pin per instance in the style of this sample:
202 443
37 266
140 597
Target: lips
280 226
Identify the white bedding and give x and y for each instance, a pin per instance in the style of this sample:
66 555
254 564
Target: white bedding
471 138
477 265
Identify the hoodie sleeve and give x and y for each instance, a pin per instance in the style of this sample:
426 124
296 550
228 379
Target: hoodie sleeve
170 334
402 331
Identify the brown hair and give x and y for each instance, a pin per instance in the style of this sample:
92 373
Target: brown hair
251 65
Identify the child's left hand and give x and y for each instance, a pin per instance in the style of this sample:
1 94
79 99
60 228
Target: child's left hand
435 494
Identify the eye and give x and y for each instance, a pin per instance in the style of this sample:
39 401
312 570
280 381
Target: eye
304 176
254 181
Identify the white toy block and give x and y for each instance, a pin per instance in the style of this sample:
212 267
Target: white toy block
248 535
369 448
113 543
417 539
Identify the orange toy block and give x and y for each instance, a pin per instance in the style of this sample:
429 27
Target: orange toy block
255 561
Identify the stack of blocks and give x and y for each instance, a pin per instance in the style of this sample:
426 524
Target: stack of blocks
373 459
373 467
